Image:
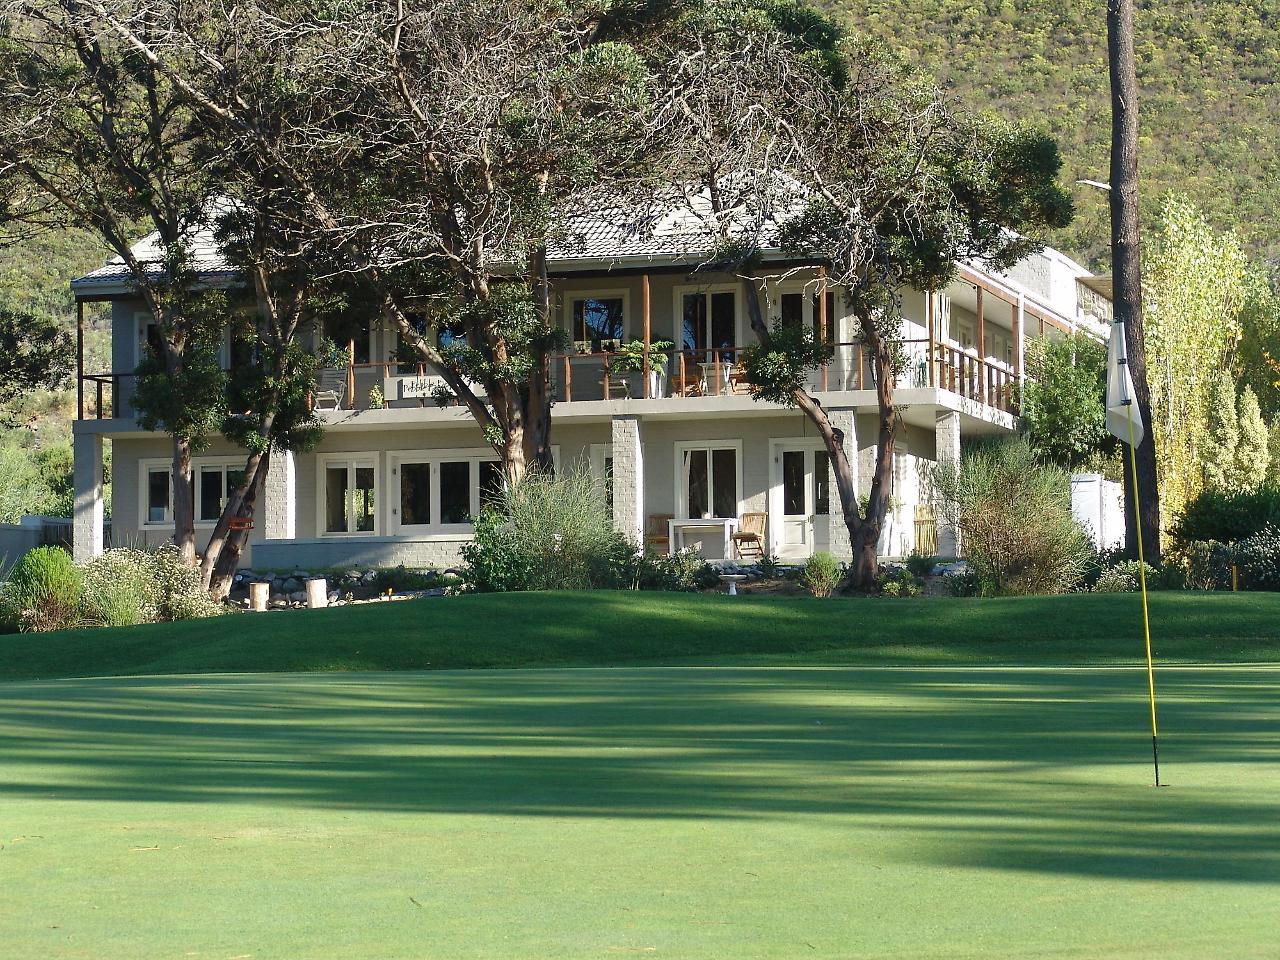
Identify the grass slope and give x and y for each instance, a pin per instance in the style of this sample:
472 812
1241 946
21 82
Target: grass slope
692 813
509 630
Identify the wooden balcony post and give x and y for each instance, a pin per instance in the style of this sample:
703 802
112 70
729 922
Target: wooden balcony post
351 374
823 320
79 359
568 380
931 333
982 342
646 319
1019 326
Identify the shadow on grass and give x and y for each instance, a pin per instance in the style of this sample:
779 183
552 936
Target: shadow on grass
1010 769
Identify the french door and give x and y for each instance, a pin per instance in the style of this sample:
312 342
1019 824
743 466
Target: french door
800 498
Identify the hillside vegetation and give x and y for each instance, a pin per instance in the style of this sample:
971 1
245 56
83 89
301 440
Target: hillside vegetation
1208 70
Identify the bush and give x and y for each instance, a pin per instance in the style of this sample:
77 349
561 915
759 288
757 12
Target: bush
898 582
1123 578
178 588
121 588
1226 517
685 571
549 533
822 574
962 583
921 564
1258 558
1013 513
42 592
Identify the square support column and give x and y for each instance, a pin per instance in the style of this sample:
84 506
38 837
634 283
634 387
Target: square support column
628 478
87 514
280 498
845 420
947 450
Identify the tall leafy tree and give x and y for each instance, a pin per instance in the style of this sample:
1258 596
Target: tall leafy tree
1063 404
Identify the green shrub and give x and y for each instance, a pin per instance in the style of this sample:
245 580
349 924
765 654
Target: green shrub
1258 558
822 574
898 582
121 588
921 564
1123 578
549 533
178 588
1013 513
42 592
962 583
1226 517
401 578
684 571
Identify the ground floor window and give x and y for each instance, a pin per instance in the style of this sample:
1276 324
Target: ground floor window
159 503
350 496
214 485
444 491
710 483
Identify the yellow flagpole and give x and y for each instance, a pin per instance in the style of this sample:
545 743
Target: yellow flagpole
1146 615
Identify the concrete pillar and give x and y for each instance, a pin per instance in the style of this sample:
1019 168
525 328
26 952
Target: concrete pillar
628 478
844 419
947 446
280 498
86 534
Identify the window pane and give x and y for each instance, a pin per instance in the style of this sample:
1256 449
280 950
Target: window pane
455 491
696 482
724 478
695 321
491 481
157 496
822 483
211 493
415 493
335 500
365 506
722 325
350 330
793 482
792 310
831 317
598 319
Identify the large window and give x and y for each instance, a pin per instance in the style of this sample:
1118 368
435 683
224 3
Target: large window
445 491
597 319
709 320
350 495
158 504
793 307
214 484
710 482
351 332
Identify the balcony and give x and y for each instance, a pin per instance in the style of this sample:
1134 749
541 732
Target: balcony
603 375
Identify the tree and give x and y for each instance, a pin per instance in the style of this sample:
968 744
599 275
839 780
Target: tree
92 136
1142 513
1253 455
836 151
1221 435
35 353
1063 406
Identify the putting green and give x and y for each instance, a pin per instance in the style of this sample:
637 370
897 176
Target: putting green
668 812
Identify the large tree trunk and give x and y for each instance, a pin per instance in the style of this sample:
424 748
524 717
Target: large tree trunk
184 507
1126 266
537 413
223 571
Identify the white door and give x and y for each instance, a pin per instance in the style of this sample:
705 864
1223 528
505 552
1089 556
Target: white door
800 499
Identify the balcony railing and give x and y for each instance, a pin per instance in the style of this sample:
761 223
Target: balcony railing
578 377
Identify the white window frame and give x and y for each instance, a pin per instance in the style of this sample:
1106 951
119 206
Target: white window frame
147 467
198 467
571 296
396 459
682 491
808 290
353 460
707 290
143 319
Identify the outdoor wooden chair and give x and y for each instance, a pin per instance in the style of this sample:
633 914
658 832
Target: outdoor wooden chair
658 534
688 384
331 388
748 539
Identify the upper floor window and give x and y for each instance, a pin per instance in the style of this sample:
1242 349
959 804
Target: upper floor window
709 320
598 319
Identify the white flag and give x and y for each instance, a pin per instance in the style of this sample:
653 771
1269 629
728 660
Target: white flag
1124 421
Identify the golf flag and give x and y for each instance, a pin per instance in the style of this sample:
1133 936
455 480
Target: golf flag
1124 421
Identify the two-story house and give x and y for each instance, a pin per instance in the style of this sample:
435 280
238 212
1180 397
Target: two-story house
687 450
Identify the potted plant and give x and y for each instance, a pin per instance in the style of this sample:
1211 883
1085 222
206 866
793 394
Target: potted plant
630 358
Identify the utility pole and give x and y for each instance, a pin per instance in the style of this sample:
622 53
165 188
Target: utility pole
1126 269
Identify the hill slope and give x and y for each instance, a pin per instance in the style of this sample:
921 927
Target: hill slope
1210 77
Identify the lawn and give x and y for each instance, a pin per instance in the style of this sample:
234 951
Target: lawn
683 776
837 812
609 628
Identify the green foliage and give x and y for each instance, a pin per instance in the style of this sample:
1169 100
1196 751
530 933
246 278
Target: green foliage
822 574
1063 402
178 587
1221 434
121 589
1258 560
898 582
36 482
35 352
1253 453
781 367
921 564
1256 356
1013 513
548 533
1228 515
684 571
43 592
1124 578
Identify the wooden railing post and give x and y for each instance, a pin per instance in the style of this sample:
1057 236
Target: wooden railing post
351 374
648 333
823 319
79 359
568 380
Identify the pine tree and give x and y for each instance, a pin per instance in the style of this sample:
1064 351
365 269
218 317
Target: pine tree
1252 454
1218 453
